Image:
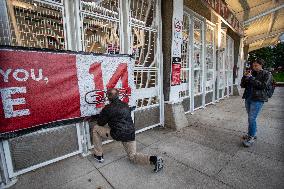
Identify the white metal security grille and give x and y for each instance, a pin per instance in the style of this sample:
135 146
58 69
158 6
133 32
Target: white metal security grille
36 24
210 58
197 56
100 26
39 24
210 63
192 62
144 46
97 28
185 59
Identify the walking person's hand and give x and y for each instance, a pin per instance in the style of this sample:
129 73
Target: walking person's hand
248 73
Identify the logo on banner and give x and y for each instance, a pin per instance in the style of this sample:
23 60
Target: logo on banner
98 74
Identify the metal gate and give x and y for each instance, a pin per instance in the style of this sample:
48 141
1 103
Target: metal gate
221 80
198 62
133 27
210 61
106 26
229 65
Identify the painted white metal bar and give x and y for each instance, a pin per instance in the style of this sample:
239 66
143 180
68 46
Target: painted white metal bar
8 159
145 92
99 7
204 71
80 137
5 182
147 128
88 134
122 28
66 25
214 64
263 36
160 61
96 15
200 107
191 30
146 107
78 25
247 22
51 3
146 69
143 27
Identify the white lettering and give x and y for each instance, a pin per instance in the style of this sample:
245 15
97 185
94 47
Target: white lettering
39 75
8 102
23 75
17 71
5 74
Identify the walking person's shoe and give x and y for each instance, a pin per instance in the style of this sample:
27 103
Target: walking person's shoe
249 141
158 162
99 159
245 137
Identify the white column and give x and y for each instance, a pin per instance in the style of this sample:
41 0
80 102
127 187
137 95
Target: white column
177 15
125 29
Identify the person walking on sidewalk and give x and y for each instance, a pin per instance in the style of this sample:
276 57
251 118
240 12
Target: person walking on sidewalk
117 115
255 82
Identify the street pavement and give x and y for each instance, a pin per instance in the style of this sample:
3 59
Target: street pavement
206 154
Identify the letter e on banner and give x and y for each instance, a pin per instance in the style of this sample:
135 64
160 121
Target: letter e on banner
8 102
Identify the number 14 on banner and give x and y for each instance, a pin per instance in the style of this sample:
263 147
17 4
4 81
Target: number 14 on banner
99 93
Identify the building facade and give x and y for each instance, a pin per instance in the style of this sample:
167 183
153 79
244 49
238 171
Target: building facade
187 56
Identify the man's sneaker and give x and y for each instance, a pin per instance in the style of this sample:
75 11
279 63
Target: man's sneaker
159 165
249 142
245 137
99 159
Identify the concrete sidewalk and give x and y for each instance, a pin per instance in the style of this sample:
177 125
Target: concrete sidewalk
207 154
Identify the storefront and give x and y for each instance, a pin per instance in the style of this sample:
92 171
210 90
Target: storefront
209 56
187 56
198 62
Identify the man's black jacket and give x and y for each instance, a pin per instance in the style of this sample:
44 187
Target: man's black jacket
259 82
117 115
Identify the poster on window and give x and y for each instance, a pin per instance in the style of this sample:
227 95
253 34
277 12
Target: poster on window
176 71
177 40
40 87
177 37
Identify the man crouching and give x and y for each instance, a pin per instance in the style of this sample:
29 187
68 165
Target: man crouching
117 115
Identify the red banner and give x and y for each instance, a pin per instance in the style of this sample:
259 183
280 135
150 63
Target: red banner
43 87
176 69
